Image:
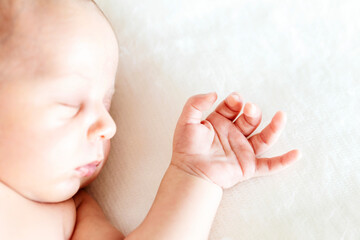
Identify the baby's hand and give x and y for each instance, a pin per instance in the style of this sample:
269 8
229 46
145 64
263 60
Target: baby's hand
218 149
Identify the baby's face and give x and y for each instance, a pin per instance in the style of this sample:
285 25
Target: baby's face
54 117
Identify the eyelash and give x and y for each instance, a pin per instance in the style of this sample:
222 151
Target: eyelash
70 106
69 111
107 105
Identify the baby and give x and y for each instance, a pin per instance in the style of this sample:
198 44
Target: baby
58 61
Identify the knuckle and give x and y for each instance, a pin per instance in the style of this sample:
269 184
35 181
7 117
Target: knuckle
263 138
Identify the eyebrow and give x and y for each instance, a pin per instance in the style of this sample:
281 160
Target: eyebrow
110 92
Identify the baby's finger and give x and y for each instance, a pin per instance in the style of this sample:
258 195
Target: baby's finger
231 106
249 120
195 105
267 166
263 141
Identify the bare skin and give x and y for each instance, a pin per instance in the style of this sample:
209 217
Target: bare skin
55 93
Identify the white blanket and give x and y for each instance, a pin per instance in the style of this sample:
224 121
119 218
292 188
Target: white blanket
299 56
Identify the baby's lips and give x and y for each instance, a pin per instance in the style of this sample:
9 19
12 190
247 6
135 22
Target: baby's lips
88 169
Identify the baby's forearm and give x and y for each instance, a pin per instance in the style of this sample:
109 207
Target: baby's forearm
184 208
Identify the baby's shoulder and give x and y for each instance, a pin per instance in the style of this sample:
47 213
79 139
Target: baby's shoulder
21 218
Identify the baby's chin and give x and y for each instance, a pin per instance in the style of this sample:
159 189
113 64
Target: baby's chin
61 190
54 194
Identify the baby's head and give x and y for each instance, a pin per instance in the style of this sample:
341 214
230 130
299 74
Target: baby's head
58 61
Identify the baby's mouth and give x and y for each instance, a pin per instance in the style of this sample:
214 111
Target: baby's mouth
88 169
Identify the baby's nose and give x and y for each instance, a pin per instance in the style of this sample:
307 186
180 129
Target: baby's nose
103 128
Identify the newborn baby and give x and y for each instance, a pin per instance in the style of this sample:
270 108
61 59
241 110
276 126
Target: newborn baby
58 62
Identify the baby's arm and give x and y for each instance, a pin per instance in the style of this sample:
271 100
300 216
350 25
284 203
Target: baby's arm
184 208
91 223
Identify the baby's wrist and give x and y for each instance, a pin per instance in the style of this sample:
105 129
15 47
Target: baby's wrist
184 208
192 181
182 165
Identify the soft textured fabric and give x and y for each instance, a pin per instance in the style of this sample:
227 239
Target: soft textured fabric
298 56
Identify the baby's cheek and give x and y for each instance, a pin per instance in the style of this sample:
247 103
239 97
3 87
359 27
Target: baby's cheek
106 147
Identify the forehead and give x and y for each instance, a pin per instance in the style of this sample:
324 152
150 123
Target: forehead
64 39
84 44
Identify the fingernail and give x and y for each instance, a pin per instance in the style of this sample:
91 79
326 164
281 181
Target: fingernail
233 99
235 96
251 109
299 154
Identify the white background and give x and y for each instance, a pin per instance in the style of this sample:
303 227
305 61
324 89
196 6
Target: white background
299 56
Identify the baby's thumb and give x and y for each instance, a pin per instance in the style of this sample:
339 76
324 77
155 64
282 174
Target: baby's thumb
195 105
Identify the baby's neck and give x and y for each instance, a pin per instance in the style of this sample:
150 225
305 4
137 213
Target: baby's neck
14 204
41 219
7 194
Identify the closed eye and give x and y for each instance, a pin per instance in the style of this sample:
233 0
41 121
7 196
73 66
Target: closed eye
67 110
